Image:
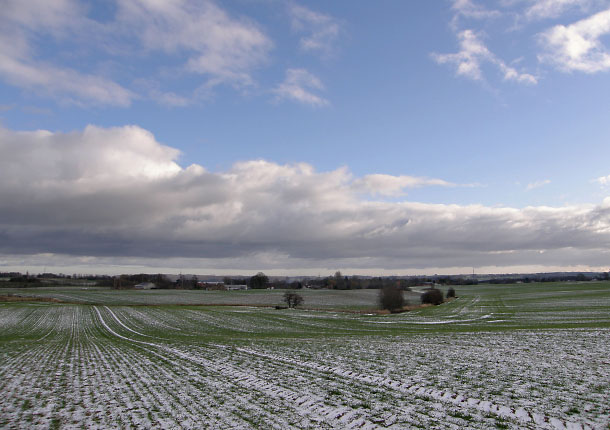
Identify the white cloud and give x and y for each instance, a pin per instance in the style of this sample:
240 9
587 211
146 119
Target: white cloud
322 29
68 84
194 37
388 185
545 9
218 46
473 54
537 184
469 9
170 99
41 15
22 21
603 180
117 193
89 161
298 86
578 46
153 90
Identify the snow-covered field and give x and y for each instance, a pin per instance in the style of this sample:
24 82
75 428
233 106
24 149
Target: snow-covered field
354 299
97 366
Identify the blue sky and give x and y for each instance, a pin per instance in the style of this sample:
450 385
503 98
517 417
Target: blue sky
380 124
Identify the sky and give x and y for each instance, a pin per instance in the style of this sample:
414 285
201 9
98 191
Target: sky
301 138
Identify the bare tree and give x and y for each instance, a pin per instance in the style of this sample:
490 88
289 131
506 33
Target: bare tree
293 299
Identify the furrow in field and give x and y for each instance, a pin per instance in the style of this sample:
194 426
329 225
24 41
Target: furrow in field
303 404
153 318
489 367
519 415
345 395
248 412
12 319
135 365
278 385
120 367
27 397
86 375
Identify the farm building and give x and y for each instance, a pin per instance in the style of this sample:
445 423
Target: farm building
145 286
211 286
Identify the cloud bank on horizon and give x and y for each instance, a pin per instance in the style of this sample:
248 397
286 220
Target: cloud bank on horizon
135 201
110 196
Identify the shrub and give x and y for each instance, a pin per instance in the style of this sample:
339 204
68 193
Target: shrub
391 298
432 296
450 292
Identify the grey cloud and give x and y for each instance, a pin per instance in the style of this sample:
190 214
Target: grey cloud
118 194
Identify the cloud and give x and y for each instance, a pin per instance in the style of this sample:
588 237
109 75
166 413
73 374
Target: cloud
194 37
469 9
473 54
545 9
152 88
218 46
119 195
388 185
603 180
57 17
170 99
578 46
297 87
119 154
537 184
69 84
20 22
322 30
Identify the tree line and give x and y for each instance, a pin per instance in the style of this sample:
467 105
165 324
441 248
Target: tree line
337 281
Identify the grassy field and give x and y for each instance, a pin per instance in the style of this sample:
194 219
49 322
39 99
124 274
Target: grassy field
500 356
